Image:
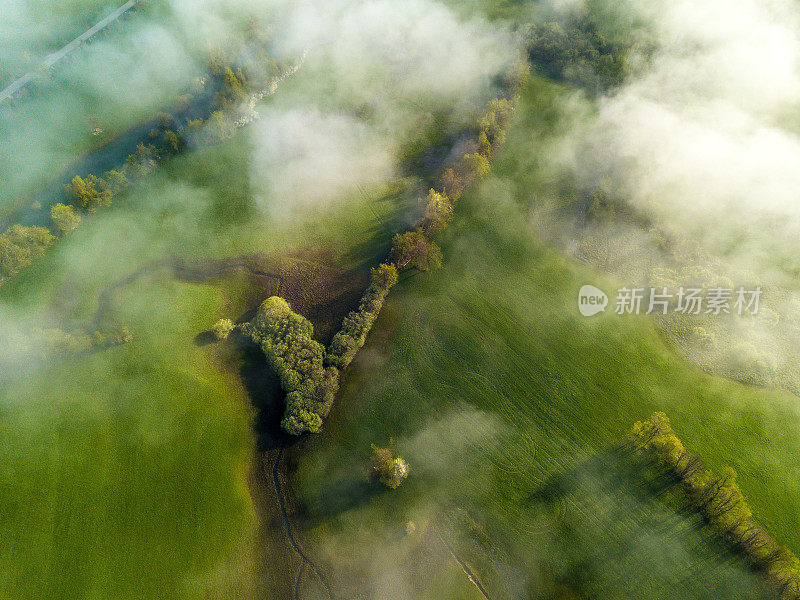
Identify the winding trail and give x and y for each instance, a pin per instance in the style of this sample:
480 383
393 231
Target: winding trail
51 59
288 527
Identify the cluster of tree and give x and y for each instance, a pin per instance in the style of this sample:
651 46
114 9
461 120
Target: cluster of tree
415 248
167 135
232 88
298 359
20 246
720 500
356 325
575 51
390 470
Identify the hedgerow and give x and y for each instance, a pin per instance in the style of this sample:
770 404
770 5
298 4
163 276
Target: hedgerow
720 500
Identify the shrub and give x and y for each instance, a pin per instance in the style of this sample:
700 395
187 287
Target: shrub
20 245
223 328
115 181
390 470
106 338
141 163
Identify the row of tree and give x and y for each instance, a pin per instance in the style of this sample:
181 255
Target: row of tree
416 248
21 245
356 325
308 372
720 500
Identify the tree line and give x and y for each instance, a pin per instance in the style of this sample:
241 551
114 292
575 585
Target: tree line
20 245
415 248
309 373
721 502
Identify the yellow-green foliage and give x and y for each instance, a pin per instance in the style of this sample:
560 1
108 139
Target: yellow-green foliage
286 339
64 218
414 249
89 193
356 325
223 328
720 501
391 470
20 245
438 212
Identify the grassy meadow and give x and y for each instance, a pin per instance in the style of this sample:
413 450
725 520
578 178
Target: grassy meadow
136 471
508 404
126 469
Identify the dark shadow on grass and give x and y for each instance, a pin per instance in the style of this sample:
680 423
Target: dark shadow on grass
204 338
620 473
265 393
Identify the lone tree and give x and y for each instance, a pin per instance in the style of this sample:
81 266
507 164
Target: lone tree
390 470
223 328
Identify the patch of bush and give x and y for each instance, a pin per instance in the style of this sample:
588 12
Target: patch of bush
390 470
20 245
298 359
576 52
222 329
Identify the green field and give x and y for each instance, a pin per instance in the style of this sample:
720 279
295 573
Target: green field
126 469
145 470
507 404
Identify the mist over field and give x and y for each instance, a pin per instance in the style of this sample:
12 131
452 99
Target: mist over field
141 413
703 138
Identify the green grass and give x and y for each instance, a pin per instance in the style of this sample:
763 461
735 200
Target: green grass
506 402
125 470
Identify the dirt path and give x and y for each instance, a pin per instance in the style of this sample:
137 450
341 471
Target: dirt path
464 566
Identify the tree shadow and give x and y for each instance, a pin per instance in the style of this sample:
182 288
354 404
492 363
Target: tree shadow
204 338
264 390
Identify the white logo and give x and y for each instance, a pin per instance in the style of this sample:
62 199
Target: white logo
591 301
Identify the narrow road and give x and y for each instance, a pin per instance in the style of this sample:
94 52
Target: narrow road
51 59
